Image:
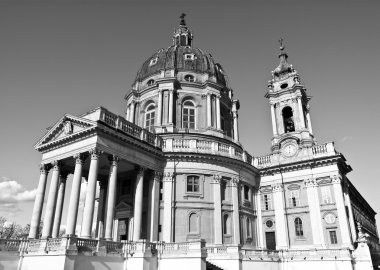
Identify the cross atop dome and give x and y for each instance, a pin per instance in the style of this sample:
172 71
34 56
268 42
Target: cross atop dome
182 17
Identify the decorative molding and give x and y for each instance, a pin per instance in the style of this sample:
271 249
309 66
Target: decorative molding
277 187
310 182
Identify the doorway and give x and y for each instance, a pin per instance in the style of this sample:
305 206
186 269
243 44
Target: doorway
270 239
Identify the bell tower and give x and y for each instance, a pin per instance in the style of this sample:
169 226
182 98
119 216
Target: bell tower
290 108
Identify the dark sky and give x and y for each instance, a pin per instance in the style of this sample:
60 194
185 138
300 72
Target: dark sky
60 57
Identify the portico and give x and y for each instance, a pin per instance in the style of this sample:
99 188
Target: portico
107 159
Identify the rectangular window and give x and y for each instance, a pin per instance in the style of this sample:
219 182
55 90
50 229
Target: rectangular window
294 199
246 193
326 194
193 183
333 238
266 202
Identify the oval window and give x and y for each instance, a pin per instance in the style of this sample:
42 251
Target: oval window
284 85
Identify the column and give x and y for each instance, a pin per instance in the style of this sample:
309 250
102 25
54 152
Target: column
300 112
39 202
111 197
171 92
218 123
137 219
159 108
350 213
235 213
309 122
279 211
218 233
74 195
274 125
88 211
128 112
51 202
315 213
260 232
168 202
342 216
155 206
101 209
132 112
208 110
59 204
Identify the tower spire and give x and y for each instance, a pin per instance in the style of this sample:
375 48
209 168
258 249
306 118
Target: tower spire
284 67
182 17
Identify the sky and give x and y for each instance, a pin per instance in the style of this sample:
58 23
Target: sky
60 57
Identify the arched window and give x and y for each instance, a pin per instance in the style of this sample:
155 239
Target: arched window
149 117
226 225
188 115
150 82
287 115
189 78
193 223
193 183
298 227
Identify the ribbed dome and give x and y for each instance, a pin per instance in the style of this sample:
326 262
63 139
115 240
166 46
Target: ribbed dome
182 56
175 58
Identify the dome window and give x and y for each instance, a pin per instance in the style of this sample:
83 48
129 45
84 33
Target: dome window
284 85
150 82
189 78
153 61
189 56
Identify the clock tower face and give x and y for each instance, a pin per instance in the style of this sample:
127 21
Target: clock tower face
289 150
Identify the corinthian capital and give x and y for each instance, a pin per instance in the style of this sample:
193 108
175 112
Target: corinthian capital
157 176
310 182
168 176
79 158
56 164
216 178
95 153
235 182
278 187
336 179
114 160
140 170
44 168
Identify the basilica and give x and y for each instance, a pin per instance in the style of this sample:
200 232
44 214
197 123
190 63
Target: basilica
169 184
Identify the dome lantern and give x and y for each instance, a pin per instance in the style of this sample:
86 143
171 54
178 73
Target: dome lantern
182 35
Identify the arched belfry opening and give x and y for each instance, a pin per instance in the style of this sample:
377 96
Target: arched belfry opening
287 115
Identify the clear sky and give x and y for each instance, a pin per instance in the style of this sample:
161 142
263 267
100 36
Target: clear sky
60 57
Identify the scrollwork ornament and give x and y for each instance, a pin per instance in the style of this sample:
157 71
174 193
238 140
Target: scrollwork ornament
277 187
95 153
335 179
310 182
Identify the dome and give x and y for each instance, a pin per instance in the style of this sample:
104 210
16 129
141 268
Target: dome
182 56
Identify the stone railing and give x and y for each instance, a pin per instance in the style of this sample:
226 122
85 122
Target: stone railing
316 151
119 123
13 245
206 147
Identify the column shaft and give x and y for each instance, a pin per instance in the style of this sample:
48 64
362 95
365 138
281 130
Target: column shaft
218 117
351 216
171 107
137 219
260 232
38 203
88 211
168 203
236 129
51 202
279 211
218 233
59 205
111 198
159 108
155 205
235 213
315 213
300 112
101 210
74 196
208 110
342 216
132 112
274 125
309 122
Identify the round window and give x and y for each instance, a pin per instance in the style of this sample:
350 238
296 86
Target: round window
284 85
330 218
269 223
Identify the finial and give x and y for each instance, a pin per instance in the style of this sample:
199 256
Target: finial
182 17
281 41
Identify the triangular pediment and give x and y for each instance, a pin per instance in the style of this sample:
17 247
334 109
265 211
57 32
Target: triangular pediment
123 206
68 126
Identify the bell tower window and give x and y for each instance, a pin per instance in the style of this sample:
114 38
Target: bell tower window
287 115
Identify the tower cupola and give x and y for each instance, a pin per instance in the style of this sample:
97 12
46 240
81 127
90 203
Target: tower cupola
182 34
